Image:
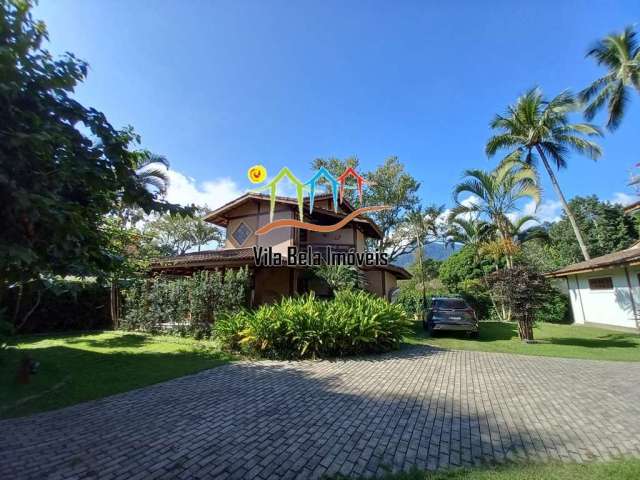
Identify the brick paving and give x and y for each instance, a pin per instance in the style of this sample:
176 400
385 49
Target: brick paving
271 420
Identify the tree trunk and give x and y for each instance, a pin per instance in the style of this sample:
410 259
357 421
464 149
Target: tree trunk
525 330
114 301
424 287
565 205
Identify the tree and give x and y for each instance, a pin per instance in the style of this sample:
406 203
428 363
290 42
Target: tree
468 231
391 185
523 291
496 195
63 166
175 234
536 128
607 229
422 224
619 53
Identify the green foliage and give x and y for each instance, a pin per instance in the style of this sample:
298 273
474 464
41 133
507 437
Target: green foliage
390 185
185 305
340 277
620 54
174 234
58 304
555 308
463 274
63 166
354 322
604 225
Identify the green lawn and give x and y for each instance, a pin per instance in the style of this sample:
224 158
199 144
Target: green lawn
573 341
618 470
80 367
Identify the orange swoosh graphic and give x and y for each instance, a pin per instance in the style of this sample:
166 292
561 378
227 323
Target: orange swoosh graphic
285 222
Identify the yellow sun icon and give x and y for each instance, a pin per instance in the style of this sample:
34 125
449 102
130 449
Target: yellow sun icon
257 174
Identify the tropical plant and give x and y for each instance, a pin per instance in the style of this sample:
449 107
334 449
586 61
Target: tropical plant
619 53
175 234
497 194
354 322
468 231
537 128
151 171
340 277
421 226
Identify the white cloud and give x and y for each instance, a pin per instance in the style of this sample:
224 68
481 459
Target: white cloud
211 193
467 202
547 211
623 199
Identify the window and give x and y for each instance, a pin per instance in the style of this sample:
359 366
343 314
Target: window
241 233
602 283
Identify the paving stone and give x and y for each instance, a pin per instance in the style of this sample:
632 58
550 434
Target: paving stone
420 407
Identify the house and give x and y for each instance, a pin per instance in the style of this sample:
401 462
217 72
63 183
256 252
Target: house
243 216
605 290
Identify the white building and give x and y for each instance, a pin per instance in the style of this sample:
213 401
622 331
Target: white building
605 290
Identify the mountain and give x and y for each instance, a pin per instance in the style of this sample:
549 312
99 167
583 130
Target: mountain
436 251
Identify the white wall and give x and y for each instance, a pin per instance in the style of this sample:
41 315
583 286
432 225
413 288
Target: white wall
607 307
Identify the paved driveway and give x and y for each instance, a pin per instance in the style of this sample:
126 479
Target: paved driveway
420 406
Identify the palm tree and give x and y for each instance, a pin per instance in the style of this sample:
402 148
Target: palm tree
421 224
620 55
535 127
498 193
151 171
471 231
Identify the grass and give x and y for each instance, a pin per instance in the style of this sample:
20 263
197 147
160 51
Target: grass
79 367
619 470
571 341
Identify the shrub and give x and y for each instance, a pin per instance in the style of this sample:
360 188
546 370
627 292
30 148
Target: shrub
555 308
185 305
57 304
352 323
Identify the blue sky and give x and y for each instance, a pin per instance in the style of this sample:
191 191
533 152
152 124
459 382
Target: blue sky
217 86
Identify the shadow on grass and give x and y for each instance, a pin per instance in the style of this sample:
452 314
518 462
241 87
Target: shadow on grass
489 332
605 341
88 375
128 340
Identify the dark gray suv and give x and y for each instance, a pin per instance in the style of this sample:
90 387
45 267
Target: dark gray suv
451 314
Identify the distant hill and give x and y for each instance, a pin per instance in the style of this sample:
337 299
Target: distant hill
437 251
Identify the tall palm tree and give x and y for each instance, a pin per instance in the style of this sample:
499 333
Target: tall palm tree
498 193
536 128
421 224
620 55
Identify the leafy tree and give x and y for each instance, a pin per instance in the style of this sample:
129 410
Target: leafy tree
391 185
63 167
498 193
523 291
537 128
471 231
619 53
607 229
175 234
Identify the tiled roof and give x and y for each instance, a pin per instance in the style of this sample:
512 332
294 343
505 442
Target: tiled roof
208 256
612 259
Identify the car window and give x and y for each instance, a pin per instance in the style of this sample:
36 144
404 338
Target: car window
452 303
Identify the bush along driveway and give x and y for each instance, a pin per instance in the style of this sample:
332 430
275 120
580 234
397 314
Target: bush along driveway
419 407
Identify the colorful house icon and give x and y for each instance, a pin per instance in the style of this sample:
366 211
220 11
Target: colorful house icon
273 187
323 173
360 180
